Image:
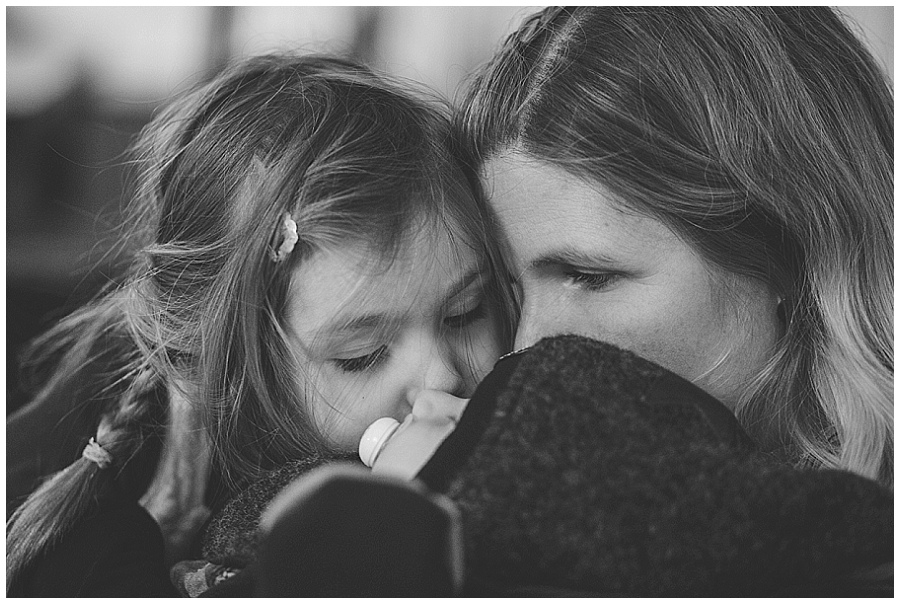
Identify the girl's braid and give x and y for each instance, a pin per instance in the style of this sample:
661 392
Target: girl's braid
136 416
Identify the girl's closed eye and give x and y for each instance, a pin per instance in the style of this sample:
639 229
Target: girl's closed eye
362 363
467 317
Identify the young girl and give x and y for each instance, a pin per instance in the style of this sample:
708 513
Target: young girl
310 258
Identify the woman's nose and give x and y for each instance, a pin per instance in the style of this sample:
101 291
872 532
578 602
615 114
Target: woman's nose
529 330
542 317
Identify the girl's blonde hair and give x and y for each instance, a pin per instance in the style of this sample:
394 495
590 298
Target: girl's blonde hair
764 137
351 157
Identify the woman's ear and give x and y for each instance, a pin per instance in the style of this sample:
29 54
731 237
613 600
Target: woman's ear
783 312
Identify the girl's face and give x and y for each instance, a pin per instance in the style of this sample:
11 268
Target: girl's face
368 339
587 266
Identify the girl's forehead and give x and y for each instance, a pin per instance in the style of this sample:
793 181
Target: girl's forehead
357 286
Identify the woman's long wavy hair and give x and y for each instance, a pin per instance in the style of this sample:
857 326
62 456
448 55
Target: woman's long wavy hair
351 156
764 137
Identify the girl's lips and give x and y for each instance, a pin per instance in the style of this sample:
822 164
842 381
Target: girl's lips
406 421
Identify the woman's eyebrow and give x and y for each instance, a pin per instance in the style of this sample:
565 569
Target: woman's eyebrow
572 256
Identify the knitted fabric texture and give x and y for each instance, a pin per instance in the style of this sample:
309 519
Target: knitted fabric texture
603 472
231 536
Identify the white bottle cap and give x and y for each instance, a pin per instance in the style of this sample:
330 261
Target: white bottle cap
375 437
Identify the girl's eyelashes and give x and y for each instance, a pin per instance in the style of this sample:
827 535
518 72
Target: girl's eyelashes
378 356
362 363
466 318
590 281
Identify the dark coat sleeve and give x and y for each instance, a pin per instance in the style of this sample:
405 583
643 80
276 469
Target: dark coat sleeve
116 553
589 469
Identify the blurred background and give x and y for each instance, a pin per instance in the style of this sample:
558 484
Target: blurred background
82 81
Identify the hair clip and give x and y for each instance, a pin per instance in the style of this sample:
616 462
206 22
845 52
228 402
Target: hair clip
289 238
94 452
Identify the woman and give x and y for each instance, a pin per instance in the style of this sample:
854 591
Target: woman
711 188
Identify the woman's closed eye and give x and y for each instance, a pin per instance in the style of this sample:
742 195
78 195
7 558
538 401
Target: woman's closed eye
362 363
590 281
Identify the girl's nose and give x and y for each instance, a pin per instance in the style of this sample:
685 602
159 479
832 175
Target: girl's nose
439 369
436 405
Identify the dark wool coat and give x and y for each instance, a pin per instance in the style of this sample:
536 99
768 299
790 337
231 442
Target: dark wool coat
582 469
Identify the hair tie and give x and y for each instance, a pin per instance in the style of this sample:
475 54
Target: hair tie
97 454
289 238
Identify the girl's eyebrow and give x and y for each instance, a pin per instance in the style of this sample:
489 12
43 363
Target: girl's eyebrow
360 323
379 320
464 283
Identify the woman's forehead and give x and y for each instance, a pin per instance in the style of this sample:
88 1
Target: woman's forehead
543 209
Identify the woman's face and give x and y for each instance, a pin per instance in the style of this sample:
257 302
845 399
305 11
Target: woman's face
588 266
369 339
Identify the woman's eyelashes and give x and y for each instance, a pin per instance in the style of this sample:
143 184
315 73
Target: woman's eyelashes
590 281
559 272
364 362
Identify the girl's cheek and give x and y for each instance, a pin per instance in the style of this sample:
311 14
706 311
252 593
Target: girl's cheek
487 350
